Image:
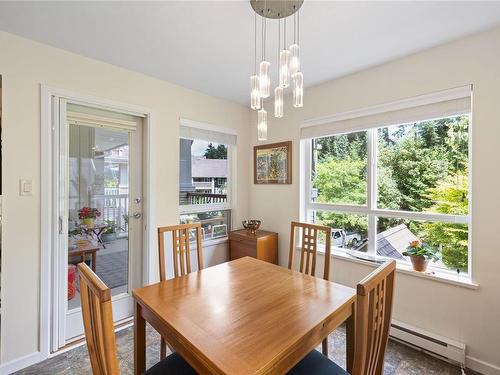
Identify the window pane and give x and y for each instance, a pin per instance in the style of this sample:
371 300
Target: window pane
203 172
339 169
349 231
394 236
214 224
423 166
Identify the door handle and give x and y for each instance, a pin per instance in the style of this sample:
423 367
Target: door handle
137 215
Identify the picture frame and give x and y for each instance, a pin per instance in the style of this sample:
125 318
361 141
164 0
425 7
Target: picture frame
272 163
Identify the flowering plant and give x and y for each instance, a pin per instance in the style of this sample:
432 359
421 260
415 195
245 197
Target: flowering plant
419 248
88 213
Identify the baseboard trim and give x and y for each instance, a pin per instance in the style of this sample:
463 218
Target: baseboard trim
482 367
20 363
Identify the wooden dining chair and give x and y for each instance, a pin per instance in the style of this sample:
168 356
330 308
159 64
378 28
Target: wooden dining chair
181 255
308 251
100 334
373 320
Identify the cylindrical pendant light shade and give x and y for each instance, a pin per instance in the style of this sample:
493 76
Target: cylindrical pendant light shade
284 72
264 79
298 90
278 102
255 93
262 125
294 66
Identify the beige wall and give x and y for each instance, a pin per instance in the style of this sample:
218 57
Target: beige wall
24 65
469 316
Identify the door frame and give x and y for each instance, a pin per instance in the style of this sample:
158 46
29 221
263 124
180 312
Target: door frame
48 219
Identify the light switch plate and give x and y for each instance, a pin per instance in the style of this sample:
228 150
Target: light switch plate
25 187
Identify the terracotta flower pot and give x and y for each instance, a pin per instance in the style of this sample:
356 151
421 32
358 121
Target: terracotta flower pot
419 263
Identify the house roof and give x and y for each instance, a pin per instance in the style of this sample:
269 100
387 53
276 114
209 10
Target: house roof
201 167
394 241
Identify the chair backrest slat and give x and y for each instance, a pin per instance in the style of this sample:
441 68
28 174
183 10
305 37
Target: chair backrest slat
373 319
98 322
309 247
181 249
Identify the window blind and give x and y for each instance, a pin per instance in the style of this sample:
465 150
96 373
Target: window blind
209 133
82 115
425 107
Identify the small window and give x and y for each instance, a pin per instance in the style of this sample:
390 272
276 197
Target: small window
205 180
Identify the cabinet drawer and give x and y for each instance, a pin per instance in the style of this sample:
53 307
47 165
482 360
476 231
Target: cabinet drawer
241 249
245 241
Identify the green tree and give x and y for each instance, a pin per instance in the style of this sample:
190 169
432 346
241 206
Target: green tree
414 169
341 181
219 152
450 197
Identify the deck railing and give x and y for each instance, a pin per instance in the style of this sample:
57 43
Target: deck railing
205 198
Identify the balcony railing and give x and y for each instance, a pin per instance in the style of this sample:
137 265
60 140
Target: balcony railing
205 198
114 208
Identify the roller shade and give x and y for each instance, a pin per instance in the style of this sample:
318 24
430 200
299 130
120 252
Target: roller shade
426 107
209 133
99 118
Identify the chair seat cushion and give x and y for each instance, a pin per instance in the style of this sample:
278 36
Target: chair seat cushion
317 364
173 364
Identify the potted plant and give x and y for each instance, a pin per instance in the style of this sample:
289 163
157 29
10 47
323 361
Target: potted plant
420 253
88 215
109 233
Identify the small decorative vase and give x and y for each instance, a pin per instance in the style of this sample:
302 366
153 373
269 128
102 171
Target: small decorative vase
419 263
89 222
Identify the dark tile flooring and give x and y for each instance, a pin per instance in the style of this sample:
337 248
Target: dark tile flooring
399 359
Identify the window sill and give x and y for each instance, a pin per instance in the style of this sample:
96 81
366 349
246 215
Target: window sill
215 241
443 277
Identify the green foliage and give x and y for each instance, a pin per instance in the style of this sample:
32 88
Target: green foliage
341 181
413 169
348 222
111 227
425 251
451 197
219 152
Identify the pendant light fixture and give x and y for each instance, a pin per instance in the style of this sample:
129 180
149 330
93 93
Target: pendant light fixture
262 125
265 66
288 61
254 79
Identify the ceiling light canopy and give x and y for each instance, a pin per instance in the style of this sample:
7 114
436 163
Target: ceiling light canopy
289 74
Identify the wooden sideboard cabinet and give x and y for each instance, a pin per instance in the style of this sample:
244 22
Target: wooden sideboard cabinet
262 245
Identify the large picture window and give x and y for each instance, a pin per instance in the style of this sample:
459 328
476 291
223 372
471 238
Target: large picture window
381 188
205 158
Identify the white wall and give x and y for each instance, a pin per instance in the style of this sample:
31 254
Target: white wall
469 316
24 65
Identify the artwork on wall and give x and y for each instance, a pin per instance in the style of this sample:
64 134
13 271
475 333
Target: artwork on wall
273 163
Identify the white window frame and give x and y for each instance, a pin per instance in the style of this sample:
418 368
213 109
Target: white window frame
231 158
370 209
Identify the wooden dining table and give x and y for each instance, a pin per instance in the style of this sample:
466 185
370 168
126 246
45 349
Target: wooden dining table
243 317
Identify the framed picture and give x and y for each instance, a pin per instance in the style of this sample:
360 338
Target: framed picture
273 163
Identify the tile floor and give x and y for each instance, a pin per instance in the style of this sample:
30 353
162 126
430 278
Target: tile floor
399 359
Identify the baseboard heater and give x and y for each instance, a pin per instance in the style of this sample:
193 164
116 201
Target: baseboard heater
440 346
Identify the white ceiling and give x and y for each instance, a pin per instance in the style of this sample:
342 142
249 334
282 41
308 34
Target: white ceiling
208 46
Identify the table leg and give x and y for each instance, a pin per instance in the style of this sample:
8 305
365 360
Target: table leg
94 259
98 235
350 339
139 341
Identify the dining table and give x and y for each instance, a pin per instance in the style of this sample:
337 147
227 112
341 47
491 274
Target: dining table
245 316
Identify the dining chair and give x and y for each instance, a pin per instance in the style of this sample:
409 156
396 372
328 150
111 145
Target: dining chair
181 255
373 320
100 335
308 251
